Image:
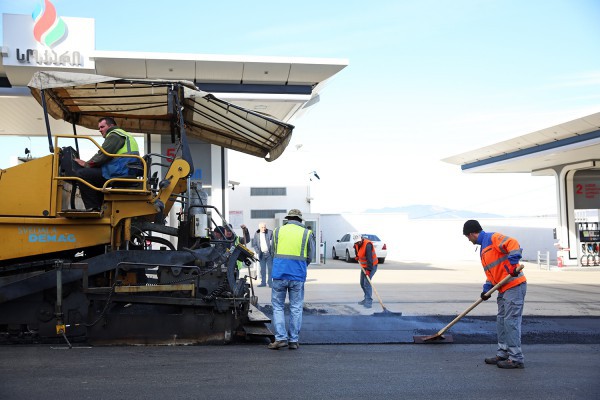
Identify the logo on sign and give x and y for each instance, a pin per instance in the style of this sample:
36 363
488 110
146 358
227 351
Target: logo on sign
44 37
49 29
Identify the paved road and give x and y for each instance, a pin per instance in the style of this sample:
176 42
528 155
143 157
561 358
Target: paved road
562 306
452 371
427 288
347 352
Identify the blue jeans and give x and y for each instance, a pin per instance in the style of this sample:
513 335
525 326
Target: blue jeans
508 322
266 265
366 286
279 289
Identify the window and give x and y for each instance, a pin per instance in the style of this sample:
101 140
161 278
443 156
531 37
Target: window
373 238
268 191
263 214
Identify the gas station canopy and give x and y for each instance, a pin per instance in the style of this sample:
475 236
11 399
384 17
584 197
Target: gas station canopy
571 153
537 152
275 88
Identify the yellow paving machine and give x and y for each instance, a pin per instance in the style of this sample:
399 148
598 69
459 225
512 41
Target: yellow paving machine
123 274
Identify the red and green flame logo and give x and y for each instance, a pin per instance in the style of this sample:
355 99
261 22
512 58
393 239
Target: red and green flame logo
48 28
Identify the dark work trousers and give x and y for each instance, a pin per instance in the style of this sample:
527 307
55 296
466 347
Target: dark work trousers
266 268
366 286
92 199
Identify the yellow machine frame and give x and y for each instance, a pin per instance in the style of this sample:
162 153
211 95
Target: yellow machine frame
36 221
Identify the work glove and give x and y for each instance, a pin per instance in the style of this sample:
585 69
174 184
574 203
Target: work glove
486 288
512 270
368 272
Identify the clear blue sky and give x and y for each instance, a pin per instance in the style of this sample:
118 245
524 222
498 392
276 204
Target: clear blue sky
426 80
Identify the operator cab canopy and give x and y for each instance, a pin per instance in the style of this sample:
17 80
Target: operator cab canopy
147 106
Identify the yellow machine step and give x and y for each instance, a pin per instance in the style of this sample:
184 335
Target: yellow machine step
80 214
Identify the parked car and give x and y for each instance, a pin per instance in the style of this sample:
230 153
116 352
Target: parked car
344 248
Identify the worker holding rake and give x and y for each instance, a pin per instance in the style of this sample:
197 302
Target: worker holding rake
365 255
500 257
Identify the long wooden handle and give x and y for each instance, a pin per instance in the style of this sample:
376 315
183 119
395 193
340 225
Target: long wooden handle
374 290
472 306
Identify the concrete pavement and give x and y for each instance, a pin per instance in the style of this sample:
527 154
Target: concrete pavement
436 288
562 306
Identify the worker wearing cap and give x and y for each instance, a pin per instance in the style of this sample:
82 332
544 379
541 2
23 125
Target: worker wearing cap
500 257
293 249
367 258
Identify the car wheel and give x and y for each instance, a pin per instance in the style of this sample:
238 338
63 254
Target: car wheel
333 255
381 260
348 259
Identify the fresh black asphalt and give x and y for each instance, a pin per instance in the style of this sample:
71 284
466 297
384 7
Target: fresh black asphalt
382 328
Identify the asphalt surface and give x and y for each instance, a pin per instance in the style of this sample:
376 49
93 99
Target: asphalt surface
562 306
248 371
349 352
335 329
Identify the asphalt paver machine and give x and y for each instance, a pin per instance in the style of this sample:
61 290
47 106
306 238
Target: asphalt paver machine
122 274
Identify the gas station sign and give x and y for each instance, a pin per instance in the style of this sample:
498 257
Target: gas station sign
586 185
46 39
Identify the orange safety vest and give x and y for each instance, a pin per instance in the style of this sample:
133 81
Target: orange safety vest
362 253
494 259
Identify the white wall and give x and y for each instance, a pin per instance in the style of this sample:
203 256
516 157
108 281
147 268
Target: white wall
423 239
406 239
240 200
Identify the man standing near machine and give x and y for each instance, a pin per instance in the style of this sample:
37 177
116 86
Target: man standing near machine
294 248
262 242
500 257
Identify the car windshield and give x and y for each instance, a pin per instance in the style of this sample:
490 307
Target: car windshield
372 238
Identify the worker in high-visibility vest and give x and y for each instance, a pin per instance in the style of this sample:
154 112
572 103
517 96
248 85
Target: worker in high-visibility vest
100 168
500 257
293 249
367 258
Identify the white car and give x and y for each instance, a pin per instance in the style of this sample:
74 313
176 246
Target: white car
344 248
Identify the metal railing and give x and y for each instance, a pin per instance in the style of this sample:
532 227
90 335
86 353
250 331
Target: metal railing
543 259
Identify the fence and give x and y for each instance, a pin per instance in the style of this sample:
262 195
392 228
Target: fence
543 258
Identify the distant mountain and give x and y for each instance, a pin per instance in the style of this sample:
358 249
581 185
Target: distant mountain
421 211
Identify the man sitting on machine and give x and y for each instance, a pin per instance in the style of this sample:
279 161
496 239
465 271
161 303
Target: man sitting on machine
101 167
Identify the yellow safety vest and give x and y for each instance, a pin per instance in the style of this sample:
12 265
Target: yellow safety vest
130 146
291 242
118 167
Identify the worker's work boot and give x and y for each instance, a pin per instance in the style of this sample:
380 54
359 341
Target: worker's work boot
368 305
494 360
294 345
362 302
510 364
276 345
